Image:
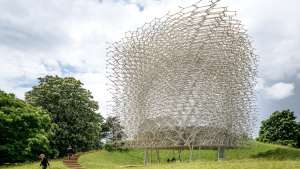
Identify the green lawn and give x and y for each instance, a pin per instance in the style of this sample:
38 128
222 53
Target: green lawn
54 164
232 164
254 156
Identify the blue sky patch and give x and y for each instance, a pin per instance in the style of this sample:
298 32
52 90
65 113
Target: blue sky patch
67 69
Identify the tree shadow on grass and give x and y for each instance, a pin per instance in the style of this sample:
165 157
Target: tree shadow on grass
279 154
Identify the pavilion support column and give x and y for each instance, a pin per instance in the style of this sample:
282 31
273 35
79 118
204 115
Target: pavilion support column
199 153
145 156
191 147
179 154
220 153
157 155
150 156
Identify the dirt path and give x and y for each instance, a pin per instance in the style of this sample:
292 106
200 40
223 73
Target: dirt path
72 163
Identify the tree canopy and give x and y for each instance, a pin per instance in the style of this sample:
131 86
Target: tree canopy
282 128
112 129
72 108
113 133
24 130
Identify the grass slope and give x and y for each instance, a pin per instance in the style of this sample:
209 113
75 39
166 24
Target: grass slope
254 156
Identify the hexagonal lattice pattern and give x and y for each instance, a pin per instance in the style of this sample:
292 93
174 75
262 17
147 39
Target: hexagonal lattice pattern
186 79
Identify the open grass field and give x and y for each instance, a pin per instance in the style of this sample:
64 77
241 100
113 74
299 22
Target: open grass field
254 156
54 164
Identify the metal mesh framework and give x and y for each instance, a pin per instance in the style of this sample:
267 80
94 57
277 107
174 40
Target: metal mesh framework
186 79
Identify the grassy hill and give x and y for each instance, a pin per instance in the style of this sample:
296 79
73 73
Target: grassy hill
253 156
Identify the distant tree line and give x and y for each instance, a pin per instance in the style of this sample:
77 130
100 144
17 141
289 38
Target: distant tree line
56 113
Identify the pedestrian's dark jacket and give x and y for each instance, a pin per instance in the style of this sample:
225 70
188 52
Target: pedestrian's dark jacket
44 162
70 151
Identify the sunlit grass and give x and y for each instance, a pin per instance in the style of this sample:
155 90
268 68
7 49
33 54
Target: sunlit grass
54 164
231 164
255 155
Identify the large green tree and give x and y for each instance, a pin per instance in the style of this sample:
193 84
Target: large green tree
24 130
72 108
281 128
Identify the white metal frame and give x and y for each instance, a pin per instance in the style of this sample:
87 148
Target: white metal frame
185 80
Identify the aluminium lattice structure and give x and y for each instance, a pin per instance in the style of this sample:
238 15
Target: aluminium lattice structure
184 80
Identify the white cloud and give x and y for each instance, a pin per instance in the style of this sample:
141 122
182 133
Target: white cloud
96 83
38 38
276 91
260 85
280 90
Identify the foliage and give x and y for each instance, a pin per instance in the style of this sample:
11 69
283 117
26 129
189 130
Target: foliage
281 128
24 130
112 129
115 146
72 108
108 147
113 133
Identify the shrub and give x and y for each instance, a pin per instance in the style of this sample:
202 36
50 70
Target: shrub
280 128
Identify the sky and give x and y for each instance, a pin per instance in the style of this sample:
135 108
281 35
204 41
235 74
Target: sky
70 37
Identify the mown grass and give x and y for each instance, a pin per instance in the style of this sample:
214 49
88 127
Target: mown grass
54 164
230 164
253 156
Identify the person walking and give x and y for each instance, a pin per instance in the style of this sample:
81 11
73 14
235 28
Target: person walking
70 152
44 161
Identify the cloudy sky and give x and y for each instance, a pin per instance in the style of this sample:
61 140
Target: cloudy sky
70 37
